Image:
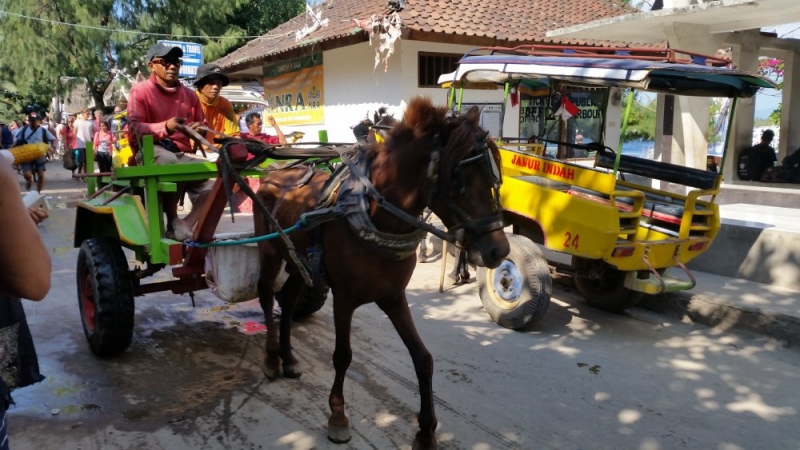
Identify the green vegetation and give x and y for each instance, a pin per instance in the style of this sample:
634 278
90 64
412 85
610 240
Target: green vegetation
82 47
642 121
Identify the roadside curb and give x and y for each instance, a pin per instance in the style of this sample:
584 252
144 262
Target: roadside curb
700 309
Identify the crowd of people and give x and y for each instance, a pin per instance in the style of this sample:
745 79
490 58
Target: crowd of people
160 107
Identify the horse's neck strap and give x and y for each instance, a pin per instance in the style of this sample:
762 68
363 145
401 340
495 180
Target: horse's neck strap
390 208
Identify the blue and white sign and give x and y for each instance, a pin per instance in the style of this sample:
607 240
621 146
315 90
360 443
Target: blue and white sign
192 57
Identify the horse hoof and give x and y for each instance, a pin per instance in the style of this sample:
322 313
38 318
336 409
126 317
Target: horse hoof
270 372
420 446
339 435
291 372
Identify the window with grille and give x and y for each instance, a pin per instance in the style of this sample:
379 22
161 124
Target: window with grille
431 65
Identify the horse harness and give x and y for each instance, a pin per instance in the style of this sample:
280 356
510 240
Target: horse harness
349 191
351 182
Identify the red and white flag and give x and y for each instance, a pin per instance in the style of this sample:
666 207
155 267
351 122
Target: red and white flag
567 109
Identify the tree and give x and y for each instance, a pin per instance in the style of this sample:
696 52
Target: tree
642 119
82 44
256 17
773 68
14 103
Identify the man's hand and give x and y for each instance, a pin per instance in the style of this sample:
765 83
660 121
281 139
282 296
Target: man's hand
272 121
174 124
37 214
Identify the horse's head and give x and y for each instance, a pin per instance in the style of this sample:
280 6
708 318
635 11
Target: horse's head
463 178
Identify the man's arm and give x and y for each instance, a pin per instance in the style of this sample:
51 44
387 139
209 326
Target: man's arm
278 132
24 259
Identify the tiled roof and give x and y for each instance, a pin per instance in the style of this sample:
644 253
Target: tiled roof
473 22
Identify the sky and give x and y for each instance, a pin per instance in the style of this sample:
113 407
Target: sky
768 99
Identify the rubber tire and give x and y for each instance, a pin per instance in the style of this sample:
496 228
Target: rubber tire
609 293
528 306
105 281
311 300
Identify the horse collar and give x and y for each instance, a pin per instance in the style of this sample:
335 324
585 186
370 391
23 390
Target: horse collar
353 203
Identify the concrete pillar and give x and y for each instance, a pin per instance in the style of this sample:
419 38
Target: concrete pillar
688 144
746 57
790 106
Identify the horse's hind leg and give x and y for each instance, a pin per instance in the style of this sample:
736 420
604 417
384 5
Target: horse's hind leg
287 298
339 424
399 314
270 265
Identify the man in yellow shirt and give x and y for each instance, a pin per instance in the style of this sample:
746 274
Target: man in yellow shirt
218 110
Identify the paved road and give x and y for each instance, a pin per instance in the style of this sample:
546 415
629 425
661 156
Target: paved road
583 379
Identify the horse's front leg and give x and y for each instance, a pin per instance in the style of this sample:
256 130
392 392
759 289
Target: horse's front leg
266 298
399 314
339 424
287 298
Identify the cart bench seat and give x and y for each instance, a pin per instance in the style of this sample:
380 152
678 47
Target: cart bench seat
686 176
654 209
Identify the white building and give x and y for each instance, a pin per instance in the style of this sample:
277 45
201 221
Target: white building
321 72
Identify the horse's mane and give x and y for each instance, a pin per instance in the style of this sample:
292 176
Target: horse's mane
422 119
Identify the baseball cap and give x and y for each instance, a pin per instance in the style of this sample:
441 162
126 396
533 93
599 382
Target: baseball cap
161 50
208 72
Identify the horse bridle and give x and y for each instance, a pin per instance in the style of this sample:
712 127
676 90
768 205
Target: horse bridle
481 154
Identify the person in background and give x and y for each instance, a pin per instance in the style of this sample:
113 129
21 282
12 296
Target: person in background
162 107
103 142
84 133
47 124
70 140
765 151
6 136
33 134
26 267
98 119
254 127
218 110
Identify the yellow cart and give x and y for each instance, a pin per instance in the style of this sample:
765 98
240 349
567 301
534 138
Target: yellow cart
584 199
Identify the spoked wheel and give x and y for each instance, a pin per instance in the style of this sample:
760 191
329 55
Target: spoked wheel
605 287
516 294
105 296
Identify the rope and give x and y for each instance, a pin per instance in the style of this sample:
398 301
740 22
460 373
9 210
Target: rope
233 242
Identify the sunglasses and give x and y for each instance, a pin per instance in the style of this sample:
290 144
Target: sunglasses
173 61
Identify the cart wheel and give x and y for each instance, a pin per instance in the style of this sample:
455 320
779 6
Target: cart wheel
608 292
516 294
311 299
105 296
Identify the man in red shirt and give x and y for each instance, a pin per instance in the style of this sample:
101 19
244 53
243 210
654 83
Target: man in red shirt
254 124
162 107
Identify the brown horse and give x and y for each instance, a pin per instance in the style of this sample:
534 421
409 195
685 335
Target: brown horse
430 159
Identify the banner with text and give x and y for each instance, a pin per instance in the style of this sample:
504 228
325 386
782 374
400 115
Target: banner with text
294 90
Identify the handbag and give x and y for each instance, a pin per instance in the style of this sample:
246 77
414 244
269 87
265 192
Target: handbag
19 365
68 160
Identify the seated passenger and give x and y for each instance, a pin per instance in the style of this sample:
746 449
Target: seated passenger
254 124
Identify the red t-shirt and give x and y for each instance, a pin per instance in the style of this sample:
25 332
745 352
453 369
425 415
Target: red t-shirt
263 137
150 105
